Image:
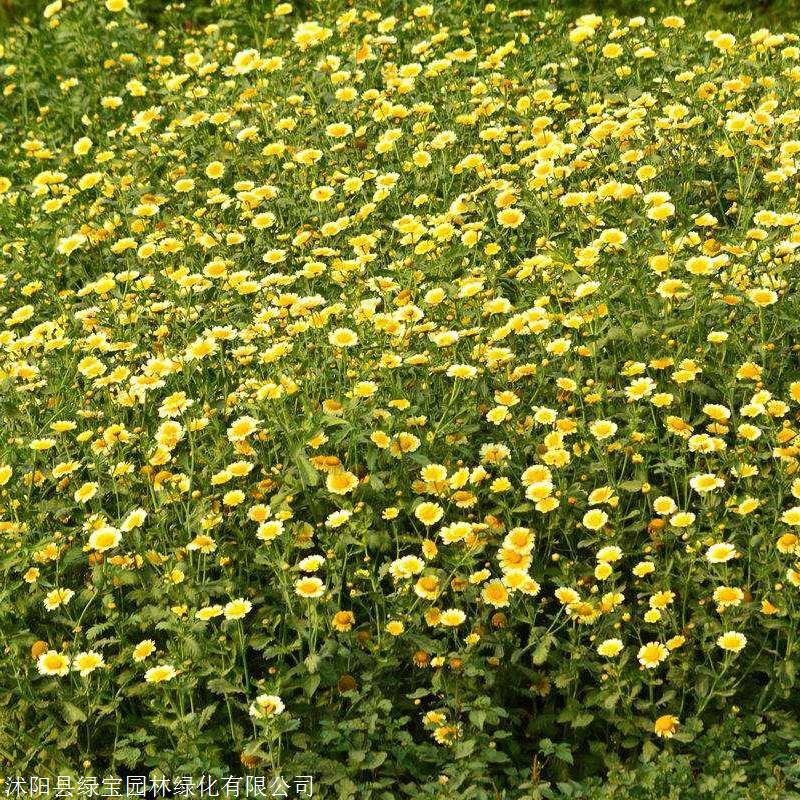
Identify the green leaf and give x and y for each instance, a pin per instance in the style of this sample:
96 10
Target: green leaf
582 720
464 749
72 713
542 650
649 750
357 756
206 714
312 662
375 760
128 756
311 683
221 686
308 474
610 701
563 753
477 718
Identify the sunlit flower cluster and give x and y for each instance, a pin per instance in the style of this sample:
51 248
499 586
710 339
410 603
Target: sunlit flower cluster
389 346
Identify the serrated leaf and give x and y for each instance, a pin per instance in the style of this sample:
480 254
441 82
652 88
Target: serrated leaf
311 684
308 474
72 713
464 749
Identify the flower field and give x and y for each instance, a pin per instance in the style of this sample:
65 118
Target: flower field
403 395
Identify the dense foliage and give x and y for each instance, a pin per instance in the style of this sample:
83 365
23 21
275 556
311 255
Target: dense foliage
404 395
